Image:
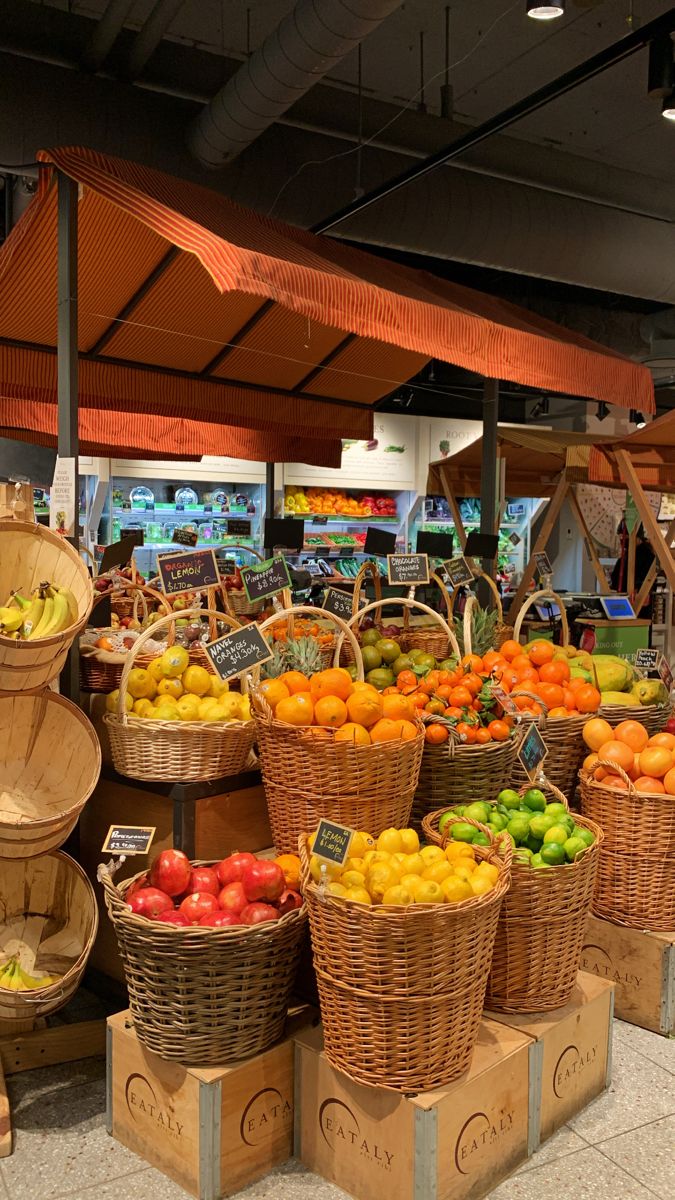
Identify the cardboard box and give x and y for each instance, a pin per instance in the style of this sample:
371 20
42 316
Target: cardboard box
641 965
572 1053
451 1144
213 1130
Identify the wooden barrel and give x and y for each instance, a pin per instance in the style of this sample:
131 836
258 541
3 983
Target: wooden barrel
50 761
30 555
48 919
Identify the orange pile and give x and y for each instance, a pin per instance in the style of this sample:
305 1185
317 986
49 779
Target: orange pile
649 762
356 711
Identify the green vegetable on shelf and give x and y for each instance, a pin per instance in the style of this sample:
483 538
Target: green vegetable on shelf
394 449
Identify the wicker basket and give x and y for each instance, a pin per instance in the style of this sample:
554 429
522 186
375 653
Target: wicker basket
122 589
30 554
454 773
445 633
237 603
429 637
401 989
50 761
652 716
636 874
366 568
307 777
503 633
49 917
176 751
536 598
566 748
205 995
101 670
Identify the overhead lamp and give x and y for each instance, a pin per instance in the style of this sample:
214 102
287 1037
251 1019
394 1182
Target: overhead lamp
637 418
668 108
602 410
545 12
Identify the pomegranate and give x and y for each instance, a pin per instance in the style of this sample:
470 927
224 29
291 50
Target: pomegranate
233 898
150 902
670 725
141 882
231 869
219 919
288 901
203 879
263 880
257 914
170 872
173 917
198 905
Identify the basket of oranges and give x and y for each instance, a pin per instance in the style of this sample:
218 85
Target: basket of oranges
627 786
334 747
430 636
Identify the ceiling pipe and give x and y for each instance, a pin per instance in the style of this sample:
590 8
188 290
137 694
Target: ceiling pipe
105 34
307 44
148 38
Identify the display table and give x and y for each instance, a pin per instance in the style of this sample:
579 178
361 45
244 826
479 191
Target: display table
622 637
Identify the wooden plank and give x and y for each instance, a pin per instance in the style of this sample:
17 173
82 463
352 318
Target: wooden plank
647 515
46 1047
552 514
641 598
587 536
5 1119
632 543
454 509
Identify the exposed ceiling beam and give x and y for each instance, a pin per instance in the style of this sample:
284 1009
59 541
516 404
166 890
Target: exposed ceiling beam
148 38
105 34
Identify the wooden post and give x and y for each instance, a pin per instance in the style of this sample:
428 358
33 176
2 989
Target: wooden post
600 573
651 526
552 514
648 584
5 1119
630 573
489 483
454 509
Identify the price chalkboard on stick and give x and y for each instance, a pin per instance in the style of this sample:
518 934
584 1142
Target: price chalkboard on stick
339 603
128 839
533 751
458 571
332 842
266 579
544 568
117 554
185 537
238 651
647 660
192 572
409 569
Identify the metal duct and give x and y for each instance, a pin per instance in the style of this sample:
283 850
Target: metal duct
148 38
307 44
105 34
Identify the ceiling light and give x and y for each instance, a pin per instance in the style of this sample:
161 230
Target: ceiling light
602 411
668 109
637 418
545 12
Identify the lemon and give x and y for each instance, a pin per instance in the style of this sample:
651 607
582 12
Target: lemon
336 889
488 871
410 841
397 895
230 706
399 859
316 866
196 680
188 708
174 661
380 877
360 843
210 710
411 884
170 687
141 685
355 864
377 856
360 895
166 700
462 871
111 701
431 854
143 708
353 879
457 850
479 885
391 841
414 864
166 712
428 892
155 669
438 871
456 889
217 687
245 708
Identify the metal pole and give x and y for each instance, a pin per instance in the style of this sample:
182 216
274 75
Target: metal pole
489 466
68 441
269 493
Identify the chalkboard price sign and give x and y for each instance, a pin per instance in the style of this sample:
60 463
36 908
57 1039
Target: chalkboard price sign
339 603
185 537
238 651
409 569
458 571
266 579
191 572
117 555
228 566
544 567
237 527
128 839
647 660
533 751
332 842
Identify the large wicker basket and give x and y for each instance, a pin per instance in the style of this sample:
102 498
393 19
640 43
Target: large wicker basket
652 716
50 760
366 568
30 555
503 632
101 670
446 641
636 874
401 989
49 917
205 995
176 751
430 637
454 773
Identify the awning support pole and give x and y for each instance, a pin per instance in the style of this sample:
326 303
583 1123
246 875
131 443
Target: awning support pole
269 494
68 439
651 526
490 466
643 594
552 513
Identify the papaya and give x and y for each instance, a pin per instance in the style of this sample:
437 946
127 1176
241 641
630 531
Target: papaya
649 691
624 698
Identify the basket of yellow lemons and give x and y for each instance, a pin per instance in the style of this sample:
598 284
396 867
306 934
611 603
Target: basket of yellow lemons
173 721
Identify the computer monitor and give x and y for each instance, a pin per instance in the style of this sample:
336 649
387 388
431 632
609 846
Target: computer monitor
617 608
548 610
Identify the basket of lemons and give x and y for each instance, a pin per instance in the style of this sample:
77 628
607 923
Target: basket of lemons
173 721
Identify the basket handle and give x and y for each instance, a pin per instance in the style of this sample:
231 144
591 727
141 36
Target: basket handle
543 594
343 628
445 596
543 719
493 588
617 770
467 621
549 786
406 603
84 550
367 567
150 633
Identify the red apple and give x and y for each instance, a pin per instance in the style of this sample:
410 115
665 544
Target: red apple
150 902
263 880
203 879
173 917
232 868
170 872
256 914
219 919
288 901
233 898
198 905
670 725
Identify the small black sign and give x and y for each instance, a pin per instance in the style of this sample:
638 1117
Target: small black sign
101 615
320 520
266 579
665 672
237 527
533 750
332 842
314 569
544 568
436 545
228 566
515 538
409 569
192 572
481 545
284 532
185 537
117 555
647 660
458 571
379 541
128 839
137 536
238 651
340 603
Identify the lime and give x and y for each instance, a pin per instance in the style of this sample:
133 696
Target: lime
497 821
459 809
380 678
553 853
573 847
519 828
541 823
478 811
509 798
556 809
522 855
534 844
444 821
557 833
370 637
481 839
389 650
586 836
403 663
463 832
535 800
538 863
371 657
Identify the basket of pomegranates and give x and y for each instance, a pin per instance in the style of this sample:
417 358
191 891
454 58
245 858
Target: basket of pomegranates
210 952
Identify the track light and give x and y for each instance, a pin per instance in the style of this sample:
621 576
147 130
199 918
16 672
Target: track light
602 411
545 12
637 418
668 108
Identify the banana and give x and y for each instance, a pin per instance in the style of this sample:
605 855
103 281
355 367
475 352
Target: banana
30 983
60 617
38 629
10 619
73 609
33 615
21 600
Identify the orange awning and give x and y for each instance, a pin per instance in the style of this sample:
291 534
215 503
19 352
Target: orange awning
652 453
534 460
193 308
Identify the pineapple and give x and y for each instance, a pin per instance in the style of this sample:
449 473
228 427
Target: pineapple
303 654
277 664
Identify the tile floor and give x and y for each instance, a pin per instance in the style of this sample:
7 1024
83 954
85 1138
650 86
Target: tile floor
622 1147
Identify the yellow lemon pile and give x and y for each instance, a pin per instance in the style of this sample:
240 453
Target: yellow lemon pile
395 869
173 689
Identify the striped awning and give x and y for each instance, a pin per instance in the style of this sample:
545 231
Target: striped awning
652 454
192 308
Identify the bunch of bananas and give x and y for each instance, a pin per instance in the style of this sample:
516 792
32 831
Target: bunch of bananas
49 610
15 979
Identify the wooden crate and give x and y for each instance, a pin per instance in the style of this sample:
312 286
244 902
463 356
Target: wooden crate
214 1130
451 1144
641 965
572 1053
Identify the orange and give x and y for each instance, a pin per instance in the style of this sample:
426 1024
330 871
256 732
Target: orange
460 697
365 708
334 681
290 865
499 730
359 685
635 735
493 658
473 662
551 693
669 781
351 732
510 650
419 700
556 671
473 683
274 690
387 730
590 762
588 698
295 681
577 682
331 711
646 783
405 680
540 652
435 735
662 739
558 711
483 736
656 761
596 732
615 781
617 752
295 710
435 706
399 707
569 699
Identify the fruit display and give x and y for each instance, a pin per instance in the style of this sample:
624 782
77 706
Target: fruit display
13 978
48 610
171 688
543 834
239 890
331 700
396 870
334 502
647 761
